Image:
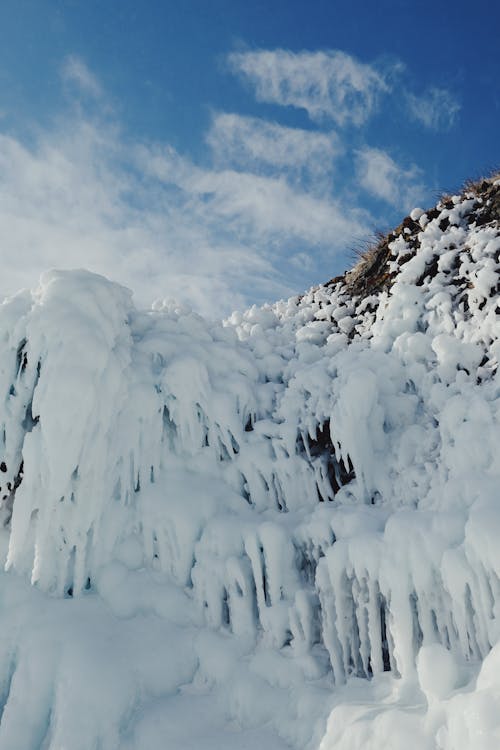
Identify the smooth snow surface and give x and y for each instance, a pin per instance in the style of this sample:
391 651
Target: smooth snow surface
277 531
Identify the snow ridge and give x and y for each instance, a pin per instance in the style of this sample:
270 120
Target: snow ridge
316 479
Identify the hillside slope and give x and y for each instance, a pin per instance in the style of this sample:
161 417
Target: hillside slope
236 530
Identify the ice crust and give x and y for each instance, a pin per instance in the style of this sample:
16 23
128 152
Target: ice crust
285 525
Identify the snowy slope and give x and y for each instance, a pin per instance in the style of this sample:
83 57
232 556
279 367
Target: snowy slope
279 530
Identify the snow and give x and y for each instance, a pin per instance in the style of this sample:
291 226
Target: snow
437 672
416 214
279 530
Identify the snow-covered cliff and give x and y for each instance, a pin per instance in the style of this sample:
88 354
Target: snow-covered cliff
290 515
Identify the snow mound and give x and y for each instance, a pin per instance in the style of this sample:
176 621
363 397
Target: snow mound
289 513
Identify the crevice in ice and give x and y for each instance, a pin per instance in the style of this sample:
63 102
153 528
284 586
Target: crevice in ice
8 493
21 357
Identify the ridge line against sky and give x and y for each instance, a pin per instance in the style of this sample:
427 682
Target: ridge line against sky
284 179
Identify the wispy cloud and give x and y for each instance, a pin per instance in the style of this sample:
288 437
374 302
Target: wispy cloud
383 178
256 145
256 206
269 212
302 261
78 199
85 196
329 85
436 108
75 71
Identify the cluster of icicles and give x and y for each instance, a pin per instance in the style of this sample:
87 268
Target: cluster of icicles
310 472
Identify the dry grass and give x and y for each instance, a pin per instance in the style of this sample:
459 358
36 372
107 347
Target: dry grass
479 184
369 272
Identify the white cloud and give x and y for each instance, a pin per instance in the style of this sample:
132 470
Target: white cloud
261 220
328 85
75 71
383 178
77 200
260 146
84 196
436 109
257 206
302 261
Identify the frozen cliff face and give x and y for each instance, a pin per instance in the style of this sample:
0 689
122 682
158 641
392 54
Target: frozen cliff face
262 510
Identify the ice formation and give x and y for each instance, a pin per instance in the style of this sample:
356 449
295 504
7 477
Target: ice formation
279 530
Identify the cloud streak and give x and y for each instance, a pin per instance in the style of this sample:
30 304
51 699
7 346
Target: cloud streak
77 199
384 179
436 109
256 145
329 85
85 196
271 210
75 72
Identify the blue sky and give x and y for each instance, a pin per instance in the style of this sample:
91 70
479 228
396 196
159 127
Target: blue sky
224 153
